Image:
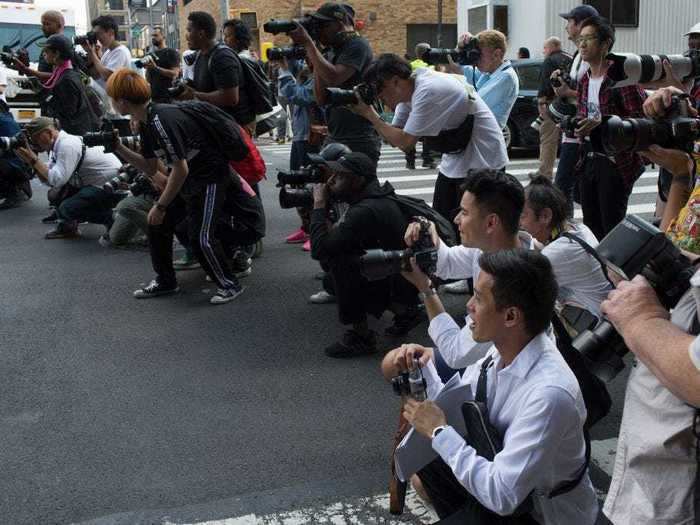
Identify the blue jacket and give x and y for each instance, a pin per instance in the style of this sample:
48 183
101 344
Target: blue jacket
301 96
9 128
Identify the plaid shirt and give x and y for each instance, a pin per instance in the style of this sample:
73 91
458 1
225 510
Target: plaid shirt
626 102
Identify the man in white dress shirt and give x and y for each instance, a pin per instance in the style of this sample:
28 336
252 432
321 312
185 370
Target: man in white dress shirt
533 401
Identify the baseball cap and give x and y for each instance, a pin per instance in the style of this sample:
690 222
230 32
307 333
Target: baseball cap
355 162
38 124
331 11
59 43
580 12
693 30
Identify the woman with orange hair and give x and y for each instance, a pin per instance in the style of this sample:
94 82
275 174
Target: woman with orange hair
196 189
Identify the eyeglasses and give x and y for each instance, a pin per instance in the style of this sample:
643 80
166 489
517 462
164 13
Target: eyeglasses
580 40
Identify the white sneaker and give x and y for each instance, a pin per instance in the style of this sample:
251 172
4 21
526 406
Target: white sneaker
322 297
457 287
225 295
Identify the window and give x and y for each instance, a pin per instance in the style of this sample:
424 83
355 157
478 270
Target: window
529 76
622 13
250 19
417 33
477 19
500 18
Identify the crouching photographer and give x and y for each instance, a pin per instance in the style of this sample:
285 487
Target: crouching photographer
373 220
75 172
14 174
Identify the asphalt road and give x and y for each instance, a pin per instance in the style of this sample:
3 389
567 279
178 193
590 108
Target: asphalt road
114 410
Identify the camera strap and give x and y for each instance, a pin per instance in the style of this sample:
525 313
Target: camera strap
591 251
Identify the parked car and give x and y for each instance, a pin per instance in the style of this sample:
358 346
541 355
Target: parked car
520 134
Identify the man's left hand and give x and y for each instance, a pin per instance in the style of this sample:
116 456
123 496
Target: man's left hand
362 109
417 278
155 216
300 36
676 161
27 155
424 416
632 303
187 94
586 126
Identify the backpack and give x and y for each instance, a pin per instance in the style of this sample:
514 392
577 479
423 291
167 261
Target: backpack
412 207
252 168
224 131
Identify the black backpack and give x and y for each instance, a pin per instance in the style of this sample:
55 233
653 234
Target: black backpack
412 207
221 127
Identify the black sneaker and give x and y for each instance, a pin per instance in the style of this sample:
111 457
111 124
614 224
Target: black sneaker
155 289
404 323
241 265
51 218
410 165
11 201
353 345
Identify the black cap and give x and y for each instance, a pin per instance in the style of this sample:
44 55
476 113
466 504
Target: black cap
355 162
580 12
331 11
60 44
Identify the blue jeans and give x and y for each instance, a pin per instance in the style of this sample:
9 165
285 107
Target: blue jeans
90 204
565 178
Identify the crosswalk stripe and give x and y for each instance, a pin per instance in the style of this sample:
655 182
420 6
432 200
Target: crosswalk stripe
422 178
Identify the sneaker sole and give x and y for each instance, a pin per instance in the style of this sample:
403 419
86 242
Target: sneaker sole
223 300
137 295
244 273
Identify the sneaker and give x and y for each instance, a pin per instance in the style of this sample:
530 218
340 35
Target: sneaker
155 289
353 345
458 287
241 265
257 249
63 231
104 241
52 218
226 295
404 323
297 237
186 262
307 245
322 297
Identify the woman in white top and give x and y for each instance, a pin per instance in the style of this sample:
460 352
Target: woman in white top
580 276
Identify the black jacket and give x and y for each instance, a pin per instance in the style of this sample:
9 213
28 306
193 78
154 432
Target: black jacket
372 221
68 103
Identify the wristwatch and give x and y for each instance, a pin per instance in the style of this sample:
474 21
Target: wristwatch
161 207
424 295
437 430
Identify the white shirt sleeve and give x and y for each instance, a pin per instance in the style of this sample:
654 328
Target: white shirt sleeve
694 350
401 115
456 346
456 262
421 121
524 463
67 157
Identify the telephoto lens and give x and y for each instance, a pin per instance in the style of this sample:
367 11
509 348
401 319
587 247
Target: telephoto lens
11 143
290 53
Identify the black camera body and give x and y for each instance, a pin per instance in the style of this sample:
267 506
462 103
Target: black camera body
312 26
468 55
634 247
138 183
8 57
345 97
178 87
379 264
676 130
411 384
569 124
301 196
107 137
290 53
148 57
89 38
563 78
12 143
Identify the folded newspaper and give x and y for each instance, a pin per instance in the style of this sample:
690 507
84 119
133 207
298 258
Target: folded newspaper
415 450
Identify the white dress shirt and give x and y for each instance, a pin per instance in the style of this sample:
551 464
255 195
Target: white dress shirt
536 405
97 167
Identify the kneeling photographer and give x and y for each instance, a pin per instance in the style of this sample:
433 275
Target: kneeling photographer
373 220
14 174
76 174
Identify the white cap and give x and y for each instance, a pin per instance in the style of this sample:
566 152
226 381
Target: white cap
694 29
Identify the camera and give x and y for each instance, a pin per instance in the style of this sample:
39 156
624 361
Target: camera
89 38
108 137
12 143
178 87
628 69
468 55
302 196
307 175
677 130
633 247
569 124
290 53
537 124
148 58
312 26
8 57
379 264
411 383
559 109
344 97
138 184
563 78
296 198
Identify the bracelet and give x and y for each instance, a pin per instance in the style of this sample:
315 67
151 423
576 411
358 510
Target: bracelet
424 295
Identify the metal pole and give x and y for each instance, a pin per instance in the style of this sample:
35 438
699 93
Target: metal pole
439 23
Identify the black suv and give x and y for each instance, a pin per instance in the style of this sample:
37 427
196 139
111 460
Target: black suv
524 112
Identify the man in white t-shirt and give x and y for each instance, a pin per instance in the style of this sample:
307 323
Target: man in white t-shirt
3 83
437 106
114 55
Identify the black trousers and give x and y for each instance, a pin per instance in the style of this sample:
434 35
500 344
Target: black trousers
425 155
447 196
202 211
454 505
11 178
603 193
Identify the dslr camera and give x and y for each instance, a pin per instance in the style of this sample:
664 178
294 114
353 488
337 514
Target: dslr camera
343 97
628 69
290 53
301 195
137 183
633 247
467 55
12 143
179 86
108 136
89 38
312 26
379 264
8 57
411 384
677 130
563 78
147 59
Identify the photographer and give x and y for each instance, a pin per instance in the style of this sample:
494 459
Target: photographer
197 185
161 72
605 182
533 402
373 220
347 57
14 176
76 172
237 36
52 23
438 106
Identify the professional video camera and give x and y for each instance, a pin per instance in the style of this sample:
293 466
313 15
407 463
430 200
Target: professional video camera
11 143
411 383
89 38
633 247
312 26
146 59
379 264
108 137
676 130
629 69
344 97
468 55
290 53
137 183
179 86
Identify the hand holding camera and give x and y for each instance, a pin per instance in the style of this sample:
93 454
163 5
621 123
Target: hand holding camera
321 196
411 356
416 229
633 302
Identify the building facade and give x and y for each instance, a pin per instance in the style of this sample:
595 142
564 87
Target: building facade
118 9
642 26
389 25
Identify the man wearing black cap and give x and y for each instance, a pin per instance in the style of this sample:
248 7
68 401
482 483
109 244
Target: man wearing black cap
373 220
347 58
